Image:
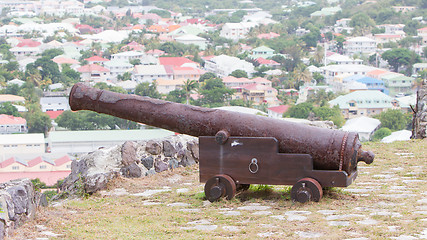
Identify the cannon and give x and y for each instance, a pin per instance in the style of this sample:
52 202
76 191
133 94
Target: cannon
238 149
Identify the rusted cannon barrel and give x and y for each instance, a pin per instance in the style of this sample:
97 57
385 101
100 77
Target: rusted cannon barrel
330 149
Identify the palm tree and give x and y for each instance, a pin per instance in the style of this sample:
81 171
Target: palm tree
189 85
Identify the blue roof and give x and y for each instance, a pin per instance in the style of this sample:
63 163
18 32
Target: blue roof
369 80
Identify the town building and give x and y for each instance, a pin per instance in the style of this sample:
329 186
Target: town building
224 65
236 31
360 45
364 103
10 124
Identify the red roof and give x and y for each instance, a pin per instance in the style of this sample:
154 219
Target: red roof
54 114
279 109
35 161
62 160
50 178
264 61
28 43
155 52
11 120
7 162
63 60
96 59
92 68
174 61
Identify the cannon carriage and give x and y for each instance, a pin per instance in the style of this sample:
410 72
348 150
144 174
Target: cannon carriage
238 149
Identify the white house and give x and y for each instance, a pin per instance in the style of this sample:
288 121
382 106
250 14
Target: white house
117 67
23 52
17 144
236 31
331 71
192 39
224 65
10 124
149 73
360 45
128 56
341 59
364 126
54 104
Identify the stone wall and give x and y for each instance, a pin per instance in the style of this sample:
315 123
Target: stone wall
419 120
18 203
92 172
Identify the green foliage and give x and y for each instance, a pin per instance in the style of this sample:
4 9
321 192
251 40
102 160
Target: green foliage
214 93
38 184
50 194
104 86
206 76
38 121
411 27
400 56
161 13
8 109
393 119
241 103
148 90
301 110
239 74
324 113
51 53
88 120
381 133
178 96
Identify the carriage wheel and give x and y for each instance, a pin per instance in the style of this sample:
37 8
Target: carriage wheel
307 189
220 186
242 187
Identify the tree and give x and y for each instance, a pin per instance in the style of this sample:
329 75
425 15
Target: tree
214 93
189 85
37 121
88 120
301 110
148 90
381 133
393 119
206 76
239 74
8 109
400 56
51 53
362 23
178 96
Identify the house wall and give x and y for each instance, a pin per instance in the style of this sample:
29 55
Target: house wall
11 149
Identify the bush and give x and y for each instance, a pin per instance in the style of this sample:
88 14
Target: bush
393 119
381 133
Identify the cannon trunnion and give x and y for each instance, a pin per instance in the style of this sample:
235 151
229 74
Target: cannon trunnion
241 161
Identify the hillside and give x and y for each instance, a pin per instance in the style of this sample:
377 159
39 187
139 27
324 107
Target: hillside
388 199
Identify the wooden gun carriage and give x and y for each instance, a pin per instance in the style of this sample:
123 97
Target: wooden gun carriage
238 149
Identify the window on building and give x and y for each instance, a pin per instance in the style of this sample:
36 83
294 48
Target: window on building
68 166
352 104
14 145
43 166
29 145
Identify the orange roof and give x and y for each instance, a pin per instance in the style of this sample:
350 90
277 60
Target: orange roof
96 59
156 28
279 109
92 68
54 114
174 61
64 60
230 79
376 72
11 120
172 28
